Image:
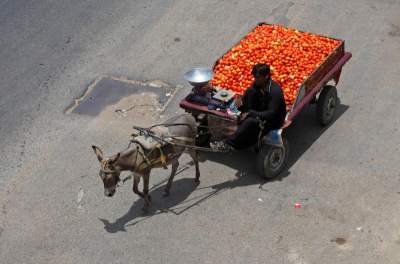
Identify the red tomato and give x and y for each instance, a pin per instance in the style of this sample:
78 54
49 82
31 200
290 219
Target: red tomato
292 55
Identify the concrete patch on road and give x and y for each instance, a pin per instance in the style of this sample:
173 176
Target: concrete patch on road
141 109
107 91
117 103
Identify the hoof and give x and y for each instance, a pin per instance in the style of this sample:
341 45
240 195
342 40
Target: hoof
197 181
166 193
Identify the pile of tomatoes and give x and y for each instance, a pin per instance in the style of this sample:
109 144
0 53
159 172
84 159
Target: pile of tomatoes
291 54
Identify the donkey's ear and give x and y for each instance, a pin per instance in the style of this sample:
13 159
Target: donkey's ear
98 153
114 159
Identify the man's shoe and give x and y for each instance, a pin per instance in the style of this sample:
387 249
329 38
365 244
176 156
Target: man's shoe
221 146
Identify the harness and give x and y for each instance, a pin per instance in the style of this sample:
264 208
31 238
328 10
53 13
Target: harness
161 141
146 160
163 158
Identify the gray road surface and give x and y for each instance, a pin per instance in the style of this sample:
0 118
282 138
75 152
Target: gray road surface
52 208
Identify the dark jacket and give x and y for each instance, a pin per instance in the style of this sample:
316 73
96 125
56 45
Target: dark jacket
269 107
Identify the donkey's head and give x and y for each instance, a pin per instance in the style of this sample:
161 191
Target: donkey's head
109 172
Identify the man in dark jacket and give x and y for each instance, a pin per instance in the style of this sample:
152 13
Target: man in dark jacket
262 102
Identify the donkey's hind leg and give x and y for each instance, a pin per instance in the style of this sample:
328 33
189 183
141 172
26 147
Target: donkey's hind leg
147 197
175 165
193 153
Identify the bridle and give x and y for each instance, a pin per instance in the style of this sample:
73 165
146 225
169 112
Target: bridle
105 170
104 165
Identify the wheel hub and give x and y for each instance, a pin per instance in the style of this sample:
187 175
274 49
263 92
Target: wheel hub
330 107
276 158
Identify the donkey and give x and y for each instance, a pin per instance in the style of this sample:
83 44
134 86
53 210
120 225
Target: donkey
136 160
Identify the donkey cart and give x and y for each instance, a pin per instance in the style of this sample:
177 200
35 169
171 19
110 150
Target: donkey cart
161 145
273 149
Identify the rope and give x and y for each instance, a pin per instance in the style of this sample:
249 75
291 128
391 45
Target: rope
148 132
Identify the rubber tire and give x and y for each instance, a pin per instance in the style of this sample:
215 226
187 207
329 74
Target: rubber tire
264 158
323 117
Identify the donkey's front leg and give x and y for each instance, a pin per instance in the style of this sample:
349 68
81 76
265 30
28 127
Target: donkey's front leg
135 188
147 197
195 157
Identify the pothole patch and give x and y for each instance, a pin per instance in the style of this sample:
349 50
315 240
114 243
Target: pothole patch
107 91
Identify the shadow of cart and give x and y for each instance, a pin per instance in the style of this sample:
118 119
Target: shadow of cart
301 135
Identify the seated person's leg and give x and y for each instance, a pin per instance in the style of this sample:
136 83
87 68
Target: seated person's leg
246 135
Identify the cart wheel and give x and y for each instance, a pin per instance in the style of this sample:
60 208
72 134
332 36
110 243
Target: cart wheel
326 105
271 160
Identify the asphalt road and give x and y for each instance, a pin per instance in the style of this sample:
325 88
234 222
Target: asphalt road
52 207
